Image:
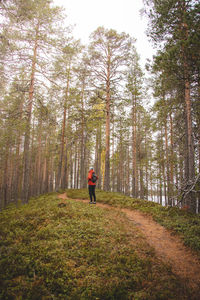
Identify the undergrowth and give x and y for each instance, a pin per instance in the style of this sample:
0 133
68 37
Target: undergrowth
184 223
78 251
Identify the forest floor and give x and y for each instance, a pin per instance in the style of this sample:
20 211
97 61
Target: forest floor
168 247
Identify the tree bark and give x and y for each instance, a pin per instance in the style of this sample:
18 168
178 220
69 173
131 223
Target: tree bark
107 154
190 172
171 157
82 158
134 150
167 164
60 165
26 175
65 171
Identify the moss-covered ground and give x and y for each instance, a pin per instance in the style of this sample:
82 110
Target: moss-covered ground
183 223
79 251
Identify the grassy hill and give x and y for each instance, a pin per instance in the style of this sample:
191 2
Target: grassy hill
79 251
181 222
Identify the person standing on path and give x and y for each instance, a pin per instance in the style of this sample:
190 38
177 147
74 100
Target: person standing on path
92 178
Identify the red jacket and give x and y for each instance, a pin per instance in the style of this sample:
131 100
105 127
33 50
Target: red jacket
90 177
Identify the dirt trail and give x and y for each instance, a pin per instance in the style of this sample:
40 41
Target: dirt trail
168 247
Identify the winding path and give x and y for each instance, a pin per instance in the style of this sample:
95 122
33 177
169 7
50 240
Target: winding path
168 247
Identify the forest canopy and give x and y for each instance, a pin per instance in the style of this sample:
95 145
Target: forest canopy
65 106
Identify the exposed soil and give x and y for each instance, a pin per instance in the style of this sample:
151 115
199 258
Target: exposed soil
167 246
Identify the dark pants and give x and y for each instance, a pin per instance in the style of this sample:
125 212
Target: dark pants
92 192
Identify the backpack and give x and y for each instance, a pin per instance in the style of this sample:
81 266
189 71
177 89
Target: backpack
94 177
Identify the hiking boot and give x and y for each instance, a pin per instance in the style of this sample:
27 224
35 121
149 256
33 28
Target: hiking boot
94 202
90 202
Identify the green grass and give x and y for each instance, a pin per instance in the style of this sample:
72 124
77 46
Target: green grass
186 224
78 251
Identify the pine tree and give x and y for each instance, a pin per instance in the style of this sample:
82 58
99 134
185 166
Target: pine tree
173 23
108 54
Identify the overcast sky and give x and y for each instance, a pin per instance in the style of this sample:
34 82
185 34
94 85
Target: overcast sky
121 15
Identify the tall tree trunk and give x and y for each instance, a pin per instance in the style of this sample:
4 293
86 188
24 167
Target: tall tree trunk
51 177
141 173
146 164
60 165
167 164
98 154
140 158
75 163
121 160
163 169
82 158
190 172
17 173
171 157
113 151
107 154
44 180
38 160
134 150
6 175
65 171
59 174
17 169
98 170
127 179
26 173
71 167
32 185
160 184
78 170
